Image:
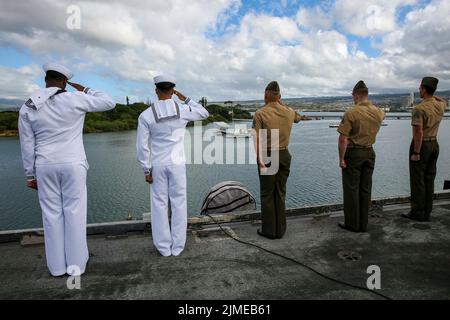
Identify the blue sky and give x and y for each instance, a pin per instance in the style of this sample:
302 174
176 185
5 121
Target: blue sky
224 50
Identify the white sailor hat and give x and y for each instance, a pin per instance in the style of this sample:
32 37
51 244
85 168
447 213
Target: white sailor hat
53 66
164 78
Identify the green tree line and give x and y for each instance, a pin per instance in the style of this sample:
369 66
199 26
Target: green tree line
8 121
125 117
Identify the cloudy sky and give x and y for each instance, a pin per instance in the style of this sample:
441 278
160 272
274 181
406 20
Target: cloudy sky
226 49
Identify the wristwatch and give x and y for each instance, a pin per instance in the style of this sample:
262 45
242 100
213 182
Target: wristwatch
416 153
148 172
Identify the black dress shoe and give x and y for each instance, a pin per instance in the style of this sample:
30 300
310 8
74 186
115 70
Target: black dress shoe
263 235
343 226
57 277
411 216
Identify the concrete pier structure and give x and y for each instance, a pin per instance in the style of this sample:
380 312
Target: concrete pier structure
414 259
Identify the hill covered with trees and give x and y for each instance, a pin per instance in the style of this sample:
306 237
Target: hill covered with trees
8 123
122 118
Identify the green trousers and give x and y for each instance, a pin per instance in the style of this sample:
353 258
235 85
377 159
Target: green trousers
273 196
421 176
357 186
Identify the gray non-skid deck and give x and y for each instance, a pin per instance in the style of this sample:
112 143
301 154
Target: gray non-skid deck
414 259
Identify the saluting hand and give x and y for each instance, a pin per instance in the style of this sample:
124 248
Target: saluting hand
77 86
149 179
32 184
440 99
180 96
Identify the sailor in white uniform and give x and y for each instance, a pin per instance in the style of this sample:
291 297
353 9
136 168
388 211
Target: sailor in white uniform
160 151
51 138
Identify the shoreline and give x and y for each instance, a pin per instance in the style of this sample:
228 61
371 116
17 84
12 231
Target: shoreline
309 117
9 134
13 133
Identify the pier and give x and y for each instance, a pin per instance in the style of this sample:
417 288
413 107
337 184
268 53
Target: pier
389 116
413 258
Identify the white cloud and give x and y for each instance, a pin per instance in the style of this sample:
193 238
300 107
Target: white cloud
422 45
263 29
135 40
314 18
365 18
17 83
115 26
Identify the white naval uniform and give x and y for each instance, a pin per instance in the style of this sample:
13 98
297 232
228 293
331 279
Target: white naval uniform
160 146
51 138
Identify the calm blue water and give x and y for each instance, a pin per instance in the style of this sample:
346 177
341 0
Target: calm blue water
116 185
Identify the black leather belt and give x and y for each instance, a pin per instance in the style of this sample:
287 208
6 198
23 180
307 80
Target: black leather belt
355 146
278 149
430 139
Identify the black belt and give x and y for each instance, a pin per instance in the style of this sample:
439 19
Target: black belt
355 146
430 139
278 149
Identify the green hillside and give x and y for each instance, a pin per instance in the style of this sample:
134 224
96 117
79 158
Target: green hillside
121 118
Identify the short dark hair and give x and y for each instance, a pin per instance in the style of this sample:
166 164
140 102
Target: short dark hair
165 87
362 91
429 89
54 76
273 86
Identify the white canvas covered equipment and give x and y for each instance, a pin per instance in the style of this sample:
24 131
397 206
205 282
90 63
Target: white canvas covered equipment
228 197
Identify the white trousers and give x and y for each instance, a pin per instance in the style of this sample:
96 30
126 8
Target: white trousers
169 182
63 199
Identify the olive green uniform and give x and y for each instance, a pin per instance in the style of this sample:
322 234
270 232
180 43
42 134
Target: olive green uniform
360 125
427 114
275 116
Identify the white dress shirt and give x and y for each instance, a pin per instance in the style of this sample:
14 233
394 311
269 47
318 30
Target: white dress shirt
162 143
51 126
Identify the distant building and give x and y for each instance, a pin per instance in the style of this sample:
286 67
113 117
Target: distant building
228 104
412 100
408 102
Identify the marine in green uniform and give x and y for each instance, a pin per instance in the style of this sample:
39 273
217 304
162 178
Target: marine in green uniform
274 117
424 150
358 131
